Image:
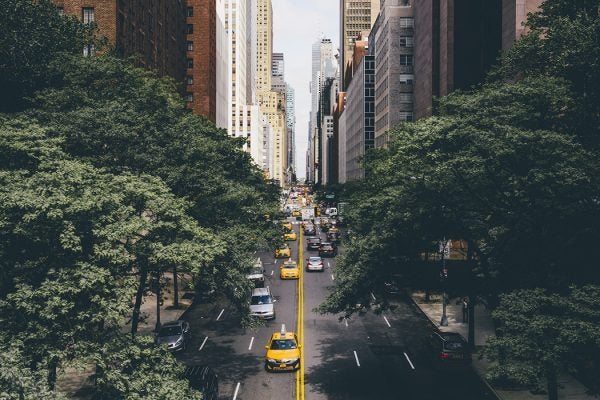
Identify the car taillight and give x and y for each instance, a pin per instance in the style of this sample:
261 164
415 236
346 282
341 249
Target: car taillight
444 355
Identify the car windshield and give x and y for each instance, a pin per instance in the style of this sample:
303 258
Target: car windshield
170 331
283 247
315 259
258 300
326 246
286 344
314 240
289 266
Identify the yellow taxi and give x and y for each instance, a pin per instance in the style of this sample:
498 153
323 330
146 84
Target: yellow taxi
287 225
289 270
283 352
290 236
283 251
296 213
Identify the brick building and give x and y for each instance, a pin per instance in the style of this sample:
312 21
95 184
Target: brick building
151 30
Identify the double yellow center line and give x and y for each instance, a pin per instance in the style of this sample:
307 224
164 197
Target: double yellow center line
300 324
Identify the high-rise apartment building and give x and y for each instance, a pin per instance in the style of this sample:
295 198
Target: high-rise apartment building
154 33
206 60
290 122
355 17
272 104
278 72
392 43
514 15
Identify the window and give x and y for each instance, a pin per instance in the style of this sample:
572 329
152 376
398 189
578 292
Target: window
405 97
190 29
407 23
87 15
190 11
407 41
407 78
89 50
189 80
190 63
190 45
189 97
405 116
406 59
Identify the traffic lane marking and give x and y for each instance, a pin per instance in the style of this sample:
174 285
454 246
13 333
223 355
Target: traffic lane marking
203 343
387 322
332 277
237 389
409 362
356 358
251 342
220 314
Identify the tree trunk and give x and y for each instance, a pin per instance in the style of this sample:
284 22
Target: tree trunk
52 366
175 288
158 295
135 318
471 319
552 385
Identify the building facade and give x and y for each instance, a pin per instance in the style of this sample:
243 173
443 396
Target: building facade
393 42
360 117
290 122
272 104
355 17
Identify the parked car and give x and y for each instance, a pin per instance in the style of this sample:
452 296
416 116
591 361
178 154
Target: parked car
313 243
327 249
315 264
174 334
262 304
257 274
447 350
203 379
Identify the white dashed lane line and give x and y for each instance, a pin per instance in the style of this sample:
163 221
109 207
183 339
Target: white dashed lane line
203 343
387 322
409 362
237 389
251 342
220 314
332 277
356 358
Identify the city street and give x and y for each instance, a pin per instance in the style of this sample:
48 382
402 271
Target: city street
367 356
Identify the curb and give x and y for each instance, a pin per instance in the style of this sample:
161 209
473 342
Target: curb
435 326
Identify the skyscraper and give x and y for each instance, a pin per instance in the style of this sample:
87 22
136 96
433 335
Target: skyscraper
355 17
235 24
290 121
272 103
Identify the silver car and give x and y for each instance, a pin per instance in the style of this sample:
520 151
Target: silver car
315 264
261 304
174 334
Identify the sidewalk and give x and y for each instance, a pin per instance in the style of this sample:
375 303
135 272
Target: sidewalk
73 382
569 388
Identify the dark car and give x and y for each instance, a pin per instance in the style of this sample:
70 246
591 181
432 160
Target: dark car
313 243
447 350
204 379
327 250
175 335
309 230
333 237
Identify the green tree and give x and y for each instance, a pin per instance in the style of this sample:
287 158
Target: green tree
28 46
542 334
563 42
18 382
136 369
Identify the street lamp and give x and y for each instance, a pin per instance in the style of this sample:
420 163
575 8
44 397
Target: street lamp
443 277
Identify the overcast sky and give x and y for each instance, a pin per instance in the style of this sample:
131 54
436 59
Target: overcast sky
297 25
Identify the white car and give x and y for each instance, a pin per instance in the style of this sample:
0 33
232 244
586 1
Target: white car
261 304
332 212
315 264
257 274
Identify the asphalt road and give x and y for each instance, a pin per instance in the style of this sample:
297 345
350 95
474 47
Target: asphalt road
368 356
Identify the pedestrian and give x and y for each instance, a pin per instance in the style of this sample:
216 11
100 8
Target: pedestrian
465 309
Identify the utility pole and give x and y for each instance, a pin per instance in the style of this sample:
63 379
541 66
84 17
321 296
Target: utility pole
443 278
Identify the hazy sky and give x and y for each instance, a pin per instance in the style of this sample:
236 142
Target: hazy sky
297 25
